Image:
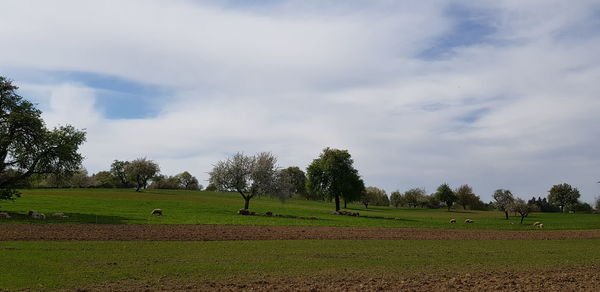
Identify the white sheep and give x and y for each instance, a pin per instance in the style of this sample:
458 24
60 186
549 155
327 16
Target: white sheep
540 225
4 215
469 221
39 216
537 223
156 212
452 220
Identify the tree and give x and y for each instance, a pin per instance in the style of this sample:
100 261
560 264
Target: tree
140 171
103 179
445 194
597 204
188 181
562 195
504 199
27 147
520 206
79 179
465 196
332 176
250 176
414 196
396 199
117 169
297 180
375 196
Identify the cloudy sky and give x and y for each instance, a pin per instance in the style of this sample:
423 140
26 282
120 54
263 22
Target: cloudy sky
496 94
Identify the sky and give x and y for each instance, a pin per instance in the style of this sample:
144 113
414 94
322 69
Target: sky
494 94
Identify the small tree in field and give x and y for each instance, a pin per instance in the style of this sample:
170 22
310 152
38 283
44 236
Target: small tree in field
522 207
396 199
414 196
445 194
465 196
375 196
563 195
140 171
250 176
504 199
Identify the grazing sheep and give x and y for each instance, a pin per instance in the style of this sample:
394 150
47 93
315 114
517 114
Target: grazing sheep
452 220
31 213
269 213
537 223
540 225
156 212
469 221
4 215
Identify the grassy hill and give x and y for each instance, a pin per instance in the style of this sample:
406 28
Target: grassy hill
125 206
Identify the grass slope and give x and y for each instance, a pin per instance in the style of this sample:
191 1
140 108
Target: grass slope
53 265
124 206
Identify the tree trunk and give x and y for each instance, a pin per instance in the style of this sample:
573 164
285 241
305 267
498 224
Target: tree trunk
522 217
464 207
345 204
506 214
337 202
246 203
366 205
137 188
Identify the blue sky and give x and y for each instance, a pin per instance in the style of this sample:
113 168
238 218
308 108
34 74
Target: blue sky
495 94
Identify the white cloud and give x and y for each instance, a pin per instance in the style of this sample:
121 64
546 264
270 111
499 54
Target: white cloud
517 110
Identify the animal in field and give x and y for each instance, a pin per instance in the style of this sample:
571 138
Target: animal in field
4 215
452 220
469 221
157 212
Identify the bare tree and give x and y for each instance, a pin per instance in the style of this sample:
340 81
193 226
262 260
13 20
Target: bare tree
522 207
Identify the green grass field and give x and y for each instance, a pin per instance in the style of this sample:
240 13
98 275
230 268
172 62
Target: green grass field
124 206
52 265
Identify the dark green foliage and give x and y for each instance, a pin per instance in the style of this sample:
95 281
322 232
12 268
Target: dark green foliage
445 194
396 199
579 207
543 205
332 176
27 147
117 169
104 179
415 197
374 196
563 195
297 180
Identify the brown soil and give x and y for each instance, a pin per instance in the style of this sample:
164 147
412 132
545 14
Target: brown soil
88 232
566 279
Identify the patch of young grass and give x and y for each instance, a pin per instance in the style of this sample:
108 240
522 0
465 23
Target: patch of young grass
125 206
54 265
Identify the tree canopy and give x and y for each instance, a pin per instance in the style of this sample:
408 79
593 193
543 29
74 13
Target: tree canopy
27 147
333 176
445 194
250 176
563 195
140 171
504 200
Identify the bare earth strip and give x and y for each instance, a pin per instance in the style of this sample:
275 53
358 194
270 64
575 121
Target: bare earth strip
102 232
565 279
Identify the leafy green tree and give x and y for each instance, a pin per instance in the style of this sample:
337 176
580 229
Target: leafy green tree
140 171
187 181
80 179
250 176
117 169
374 196
396 199
103 179
27 147
563 195
445 194
504 200
332 176
465 196
297 179
597 204
414 196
